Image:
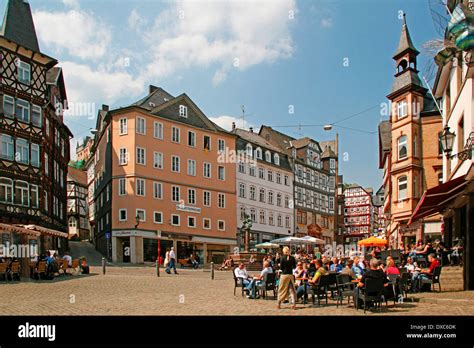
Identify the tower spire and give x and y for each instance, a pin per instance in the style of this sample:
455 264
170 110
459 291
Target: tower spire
405 44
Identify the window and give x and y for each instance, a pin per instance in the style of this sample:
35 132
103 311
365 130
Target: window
22 195
207 142
207 170
253 215
262 219
6 190
402 188
331 203
278 199
287 222
140 187
249 150
287 180
242 167
271 219
262 195
22 151
22 109
175 220
191 167
402 147
123 156
242 190
415 187
221 225
440 143
206 224
24 72
207 198
276 159
261 173
34 196
140 213
278 178
36 115
270 176
123 126
122 189
252 170
141 125
258 153
414 145
35 155
8 106
183 111
402 109
332 163
7 149
220 145
221 200
270 197
175 193
252 193
268 156
279 221
191 221
46 205
46 163
175 164
157 217
158 130
460 135
140 155
157 160
221 173
157 190
191 139
192 196
175 135
287 201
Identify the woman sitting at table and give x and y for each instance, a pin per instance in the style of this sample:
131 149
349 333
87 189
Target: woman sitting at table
391 268
300 274
229 263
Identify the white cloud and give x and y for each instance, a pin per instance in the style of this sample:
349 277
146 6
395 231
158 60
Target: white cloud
326 22
71 3
228 35
75 31
136 21
226 122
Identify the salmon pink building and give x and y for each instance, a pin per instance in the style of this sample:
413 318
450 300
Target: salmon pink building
155 174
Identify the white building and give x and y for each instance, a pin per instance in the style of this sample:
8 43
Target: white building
264 182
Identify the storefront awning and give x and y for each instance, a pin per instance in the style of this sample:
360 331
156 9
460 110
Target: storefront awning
18 229
436 199
46 231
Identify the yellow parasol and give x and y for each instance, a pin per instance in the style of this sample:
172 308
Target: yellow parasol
373 241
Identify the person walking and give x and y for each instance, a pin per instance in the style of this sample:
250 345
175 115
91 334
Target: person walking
287 280
172 262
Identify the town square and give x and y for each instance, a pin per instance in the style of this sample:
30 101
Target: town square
232 158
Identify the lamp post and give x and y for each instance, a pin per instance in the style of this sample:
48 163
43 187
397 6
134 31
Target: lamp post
447 140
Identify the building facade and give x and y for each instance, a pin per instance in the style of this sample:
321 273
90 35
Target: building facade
34 149
358 218
315 173
77 205
415 160
155 174
264 189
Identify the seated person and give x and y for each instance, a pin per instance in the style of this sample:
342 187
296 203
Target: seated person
227 264
241 274
256 281
410 265
373 273
192 261
68 258
391 268
320 272
252 259
357 269
348 269
84 266
336 265
300 274
426 273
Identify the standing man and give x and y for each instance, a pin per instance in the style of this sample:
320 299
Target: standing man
172 263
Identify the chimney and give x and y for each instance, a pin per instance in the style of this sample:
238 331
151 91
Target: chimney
233 126
251 129
151 89
105 107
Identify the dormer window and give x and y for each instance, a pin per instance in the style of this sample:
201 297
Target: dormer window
24 72
268 156
258 153
249 150
276 159
183 111
402 109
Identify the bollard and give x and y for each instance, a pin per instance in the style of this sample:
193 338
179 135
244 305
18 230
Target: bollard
212 270
157 268
103 265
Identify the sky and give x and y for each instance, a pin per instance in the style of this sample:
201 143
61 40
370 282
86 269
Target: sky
293 65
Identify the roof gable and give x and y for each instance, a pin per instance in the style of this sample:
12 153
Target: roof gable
18 25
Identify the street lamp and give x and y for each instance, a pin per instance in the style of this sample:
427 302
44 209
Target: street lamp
447 140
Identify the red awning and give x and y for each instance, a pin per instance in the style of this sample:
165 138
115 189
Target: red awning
436 199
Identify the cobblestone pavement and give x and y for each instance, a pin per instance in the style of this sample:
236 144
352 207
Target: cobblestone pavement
138 291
